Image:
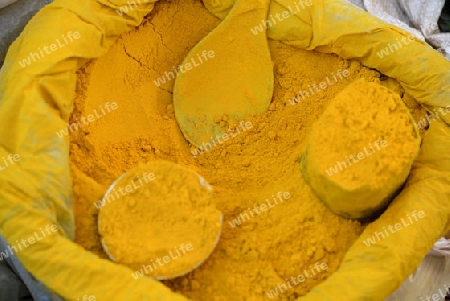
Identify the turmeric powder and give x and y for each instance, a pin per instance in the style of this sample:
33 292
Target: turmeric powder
251 259
361 150
161 223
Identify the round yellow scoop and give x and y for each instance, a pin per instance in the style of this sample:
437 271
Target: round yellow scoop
231 74
158 220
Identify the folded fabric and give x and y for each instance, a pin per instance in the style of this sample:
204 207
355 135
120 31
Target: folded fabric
36 92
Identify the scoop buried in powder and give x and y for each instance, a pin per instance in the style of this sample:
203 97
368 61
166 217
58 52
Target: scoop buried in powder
237 81
361 150
158 220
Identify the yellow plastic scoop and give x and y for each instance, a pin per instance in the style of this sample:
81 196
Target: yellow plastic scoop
235 81
158 220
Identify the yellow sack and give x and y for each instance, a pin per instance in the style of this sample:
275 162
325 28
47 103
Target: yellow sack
36 190
36 100
377 264
336 26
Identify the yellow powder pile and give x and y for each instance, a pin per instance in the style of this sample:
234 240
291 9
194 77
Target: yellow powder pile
158 220
361 150
265 251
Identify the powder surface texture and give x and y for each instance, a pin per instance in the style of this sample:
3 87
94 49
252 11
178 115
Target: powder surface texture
158 220
258 253
361 150
358 117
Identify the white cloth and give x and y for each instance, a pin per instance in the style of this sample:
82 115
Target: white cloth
419 17
4 3
441 248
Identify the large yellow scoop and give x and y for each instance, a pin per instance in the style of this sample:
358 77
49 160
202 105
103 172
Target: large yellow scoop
230 74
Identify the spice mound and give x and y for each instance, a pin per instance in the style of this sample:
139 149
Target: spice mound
158 220
258 254
361 150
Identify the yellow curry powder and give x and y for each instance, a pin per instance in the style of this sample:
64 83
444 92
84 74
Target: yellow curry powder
361 150
170 207
257 252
